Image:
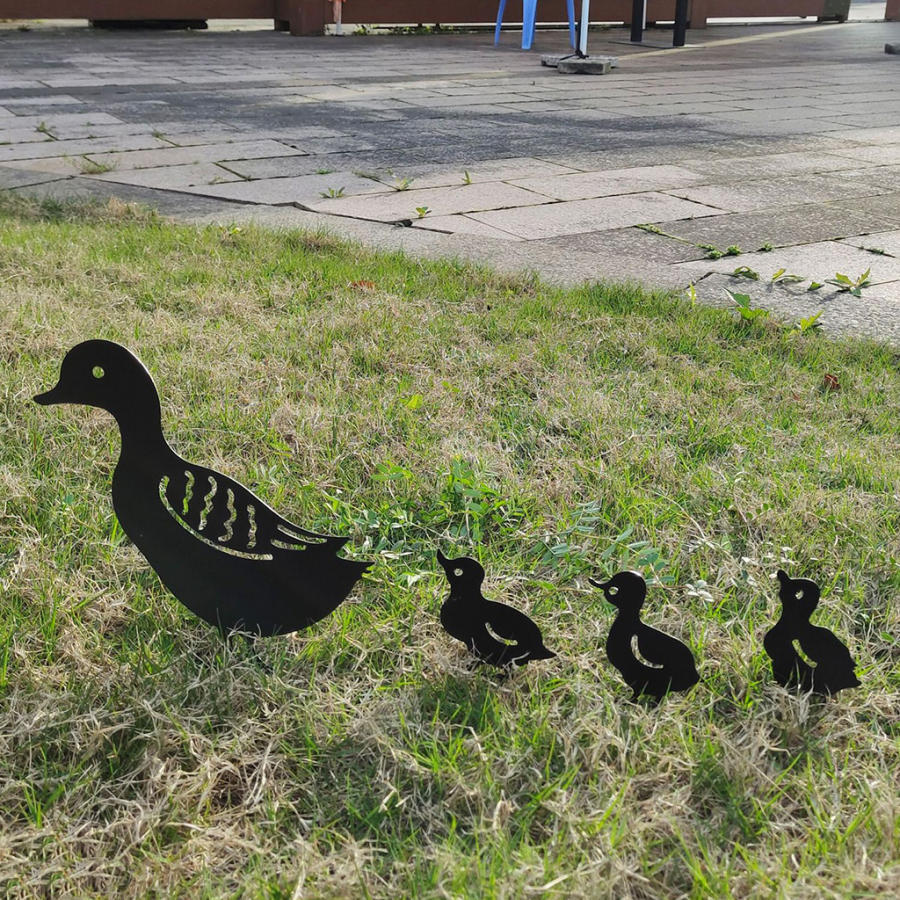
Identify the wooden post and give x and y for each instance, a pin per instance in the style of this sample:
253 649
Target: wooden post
892 12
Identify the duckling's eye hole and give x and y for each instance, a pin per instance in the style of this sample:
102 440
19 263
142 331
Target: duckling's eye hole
613 591
799 595
457 572
98 372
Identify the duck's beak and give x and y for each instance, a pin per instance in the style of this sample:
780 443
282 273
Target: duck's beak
54 395
782 576
603 585
443 561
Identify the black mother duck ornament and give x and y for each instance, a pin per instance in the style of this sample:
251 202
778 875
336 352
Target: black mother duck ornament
669 663
834 666
468 617
226 555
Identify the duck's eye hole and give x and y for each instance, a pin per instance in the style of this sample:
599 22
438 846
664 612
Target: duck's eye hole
98 372
799 595
457 572
613 591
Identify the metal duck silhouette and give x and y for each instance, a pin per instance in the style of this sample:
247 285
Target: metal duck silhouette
834 666
223 552
671 664
466 615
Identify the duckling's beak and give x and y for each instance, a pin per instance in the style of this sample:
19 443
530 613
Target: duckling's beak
782 576
54 395
443 561
603 585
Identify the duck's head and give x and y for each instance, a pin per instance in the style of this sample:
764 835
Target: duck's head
626 590
799 596
463 573
106 375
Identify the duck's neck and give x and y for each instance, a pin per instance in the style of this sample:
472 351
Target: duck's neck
142 435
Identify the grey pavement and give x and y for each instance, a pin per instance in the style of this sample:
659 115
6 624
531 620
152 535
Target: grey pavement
782 140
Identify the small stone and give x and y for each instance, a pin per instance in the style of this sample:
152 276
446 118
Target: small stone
592 65
892 48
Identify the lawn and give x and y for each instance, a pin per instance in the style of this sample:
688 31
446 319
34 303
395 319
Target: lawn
554 435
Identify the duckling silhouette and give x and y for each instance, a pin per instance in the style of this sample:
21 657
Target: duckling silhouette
223 552
833 670
672 663
466 615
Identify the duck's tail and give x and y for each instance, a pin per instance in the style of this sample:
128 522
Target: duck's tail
541 653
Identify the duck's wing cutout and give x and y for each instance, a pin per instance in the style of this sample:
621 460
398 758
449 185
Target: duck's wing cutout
223 514
660 650
640 652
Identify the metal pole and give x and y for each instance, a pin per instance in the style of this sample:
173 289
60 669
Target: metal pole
637 20
680 23
583 27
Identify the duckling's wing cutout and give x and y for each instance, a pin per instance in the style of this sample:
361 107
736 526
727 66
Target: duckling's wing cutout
224 514
661 650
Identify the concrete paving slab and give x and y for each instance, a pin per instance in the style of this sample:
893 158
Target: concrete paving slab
816 262
12 178
171 177
177 156
305 189
632 241
884 208
577 216
777 192
799 225
775 165
586 185
882 154
889 241
873 316
25 153
440 201
462 224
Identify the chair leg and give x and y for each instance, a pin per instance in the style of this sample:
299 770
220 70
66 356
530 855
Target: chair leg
500 12
529 14
571 6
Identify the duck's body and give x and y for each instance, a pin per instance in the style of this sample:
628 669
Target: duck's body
470 618
671 663
834 666
223 552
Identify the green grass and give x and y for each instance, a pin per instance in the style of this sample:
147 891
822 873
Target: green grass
554 435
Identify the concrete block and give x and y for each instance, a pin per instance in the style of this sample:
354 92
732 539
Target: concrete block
892 48
592 65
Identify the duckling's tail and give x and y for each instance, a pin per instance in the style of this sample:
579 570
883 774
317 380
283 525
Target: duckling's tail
541 653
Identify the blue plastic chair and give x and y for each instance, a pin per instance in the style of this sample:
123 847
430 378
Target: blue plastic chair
529 16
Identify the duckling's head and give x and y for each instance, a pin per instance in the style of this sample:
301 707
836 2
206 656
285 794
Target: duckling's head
106 375
799 596
463 573
626 590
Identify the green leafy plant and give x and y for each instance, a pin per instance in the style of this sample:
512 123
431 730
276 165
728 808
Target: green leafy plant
747 312
733 250
815 285
783 278
712 251
809 324
44 128
467 178
324 171
422 211
766 248
845 284
402 184
745 272
332 193
89 167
